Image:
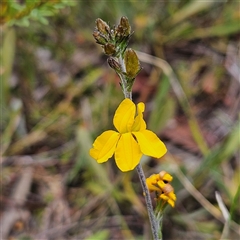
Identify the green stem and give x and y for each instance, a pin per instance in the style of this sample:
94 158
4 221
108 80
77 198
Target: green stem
159 221
152 218
153 221
126 92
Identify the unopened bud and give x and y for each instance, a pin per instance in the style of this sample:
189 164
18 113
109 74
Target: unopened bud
119 32
114 64
132 63
96 34
102 26
99 38
109 49
126 26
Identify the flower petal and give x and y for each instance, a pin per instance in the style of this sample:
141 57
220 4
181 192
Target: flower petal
124 116
165 176
127 154
168 200
139 124
172 196
104 146
150 144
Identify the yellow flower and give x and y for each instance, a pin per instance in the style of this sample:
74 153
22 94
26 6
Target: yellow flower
154 180
131 140
167 194
160 184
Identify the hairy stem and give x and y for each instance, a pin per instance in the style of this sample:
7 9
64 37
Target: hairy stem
146 193
127 94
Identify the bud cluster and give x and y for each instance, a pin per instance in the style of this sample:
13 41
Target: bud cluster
160 184
114 42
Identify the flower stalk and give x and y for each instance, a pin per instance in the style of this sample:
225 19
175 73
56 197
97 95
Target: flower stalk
164 192
153 220
151 215
132 138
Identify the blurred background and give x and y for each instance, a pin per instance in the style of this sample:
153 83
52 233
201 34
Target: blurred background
58 94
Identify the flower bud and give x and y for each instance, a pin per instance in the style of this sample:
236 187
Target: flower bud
99 38
114 64
132 63
119 32
102 26
109 49
126 26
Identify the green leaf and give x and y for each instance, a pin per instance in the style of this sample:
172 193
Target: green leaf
30 3
24 22
34 13
16 6
43 20
46 12
59 6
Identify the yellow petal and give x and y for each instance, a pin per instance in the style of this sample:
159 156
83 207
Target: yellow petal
150 144
164 197
165 176
171 203
161 184
127 154
168 199
141 107
172 196
154 178
139 124
124 116
152 187
104 146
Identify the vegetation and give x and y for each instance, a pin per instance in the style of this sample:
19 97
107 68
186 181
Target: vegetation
58 94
